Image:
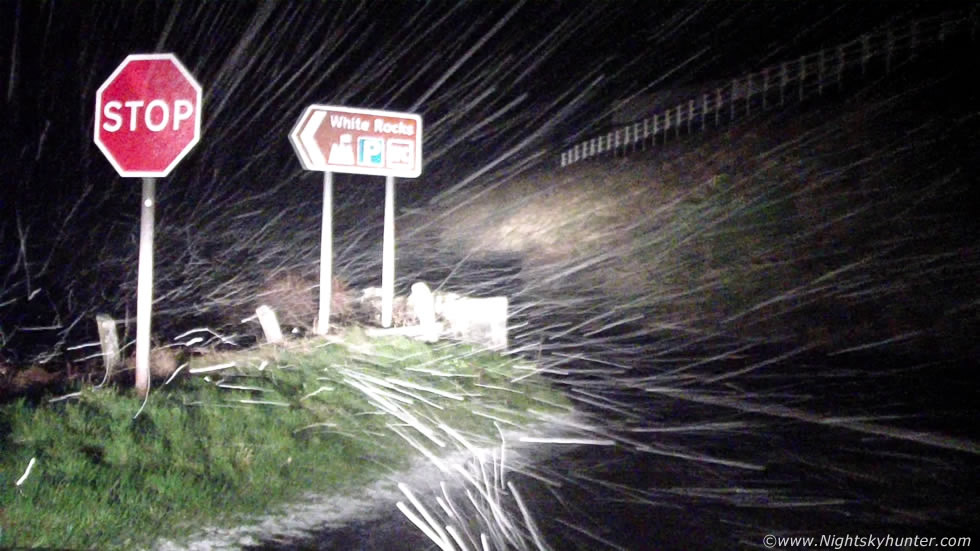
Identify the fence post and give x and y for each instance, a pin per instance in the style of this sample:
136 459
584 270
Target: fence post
109 341
270 325
690 115
718 104
802 75
656 127
783 83
748 95
704 111
840 68
765 89
732 98
680 115
821 72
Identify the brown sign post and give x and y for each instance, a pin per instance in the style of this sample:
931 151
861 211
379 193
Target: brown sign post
332 139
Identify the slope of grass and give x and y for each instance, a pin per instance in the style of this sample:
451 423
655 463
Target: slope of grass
835 225
244 432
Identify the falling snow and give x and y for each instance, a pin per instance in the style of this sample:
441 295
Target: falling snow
766 327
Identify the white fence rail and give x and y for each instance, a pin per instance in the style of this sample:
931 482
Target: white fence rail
795 80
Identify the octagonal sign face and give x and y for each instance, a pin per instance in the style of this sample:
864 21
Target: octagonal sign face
148 115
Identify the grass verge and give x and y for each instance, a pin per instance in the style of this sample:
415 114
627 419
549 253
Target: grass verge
241 433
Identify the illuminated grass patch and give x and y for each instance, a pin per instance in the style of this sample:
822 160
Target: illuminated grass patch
238 434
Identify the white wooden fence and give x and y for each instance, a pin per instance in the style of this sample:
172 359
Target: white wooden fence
773 86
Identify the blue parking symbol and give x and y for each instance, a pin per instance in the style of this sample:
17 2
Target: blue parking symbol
370 151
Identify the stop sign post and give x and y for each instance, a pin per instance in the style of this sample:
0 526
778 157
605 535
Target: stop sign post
147 118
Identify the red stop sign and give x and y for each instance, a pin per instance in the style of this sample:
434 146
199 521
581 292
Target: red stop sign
148 115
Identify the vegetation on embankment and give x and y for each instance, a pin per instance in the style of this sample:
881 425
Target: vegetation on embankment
259 429
836 225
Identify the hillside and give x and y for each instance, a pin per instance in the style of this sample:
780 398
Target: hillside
836 224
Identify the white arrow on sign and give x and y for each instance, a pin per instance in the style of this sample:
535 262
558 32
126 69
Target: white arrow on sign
307 138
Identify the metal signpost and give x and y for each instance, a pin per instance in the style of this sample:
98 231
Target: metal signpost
147 118
331 139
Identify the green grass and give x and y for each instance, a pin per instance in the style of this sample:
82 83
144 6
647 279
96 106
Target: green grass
198 455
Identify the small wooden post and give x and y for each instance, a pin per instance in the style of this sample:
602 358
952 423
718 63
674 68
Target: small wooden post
109 341
423 303
270 325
